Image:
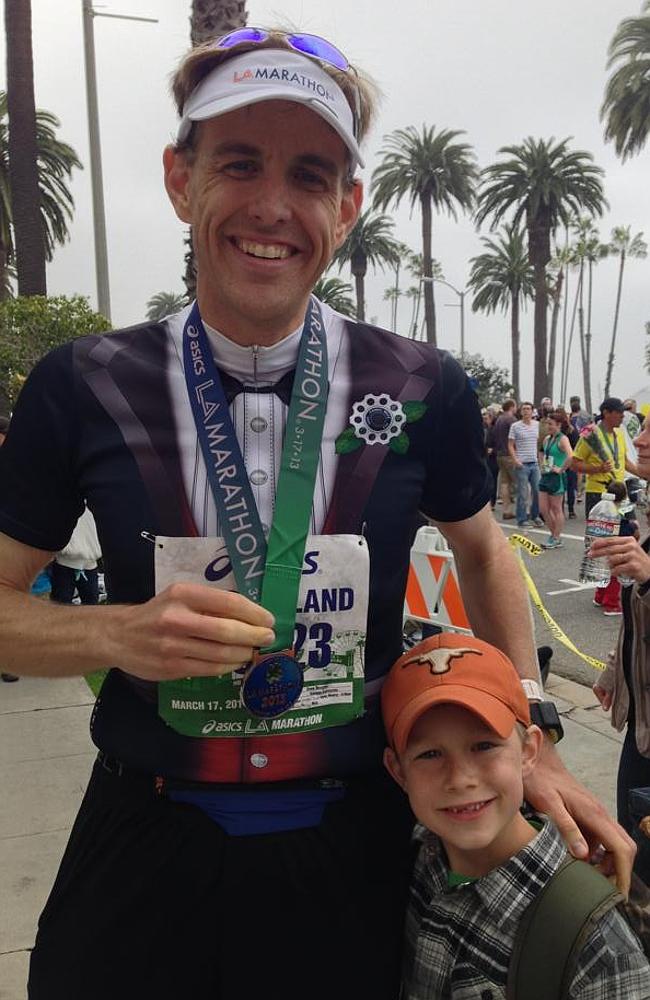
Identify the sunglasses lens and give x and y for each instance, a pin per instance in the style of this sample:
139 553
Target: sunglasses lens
253 35
312 45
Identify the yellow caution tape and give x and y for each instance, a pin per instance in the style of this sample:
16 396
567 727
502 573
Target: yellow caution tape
520 541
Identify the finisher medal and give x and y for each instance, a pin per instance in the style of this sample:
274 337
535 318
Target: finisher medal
272 684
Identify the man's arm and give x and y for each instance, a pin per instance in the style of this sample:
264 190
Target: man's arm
188 630
512 451
499 612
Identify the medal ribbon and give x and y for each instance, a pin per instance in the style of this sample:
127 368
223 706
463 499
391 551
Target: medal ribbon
268 574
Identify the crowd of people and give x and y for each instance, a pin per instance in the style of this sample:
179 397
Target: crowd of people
252 758
544 462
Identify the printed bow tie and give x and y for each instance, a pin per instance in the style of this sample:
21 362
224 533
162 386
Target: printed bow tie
232 387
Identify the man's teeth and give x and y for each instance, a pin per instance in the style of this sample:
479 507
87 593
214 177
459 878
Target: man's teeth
270 251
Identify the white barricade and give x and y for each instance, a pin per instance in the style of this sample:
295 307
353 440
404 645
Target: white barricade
432 592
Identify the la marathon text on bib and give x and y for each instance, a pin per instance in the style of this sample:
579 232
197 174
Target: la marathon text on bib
329 642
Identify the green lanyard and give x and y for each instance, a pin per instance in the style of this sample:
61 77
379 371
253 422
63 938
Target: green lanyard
612 450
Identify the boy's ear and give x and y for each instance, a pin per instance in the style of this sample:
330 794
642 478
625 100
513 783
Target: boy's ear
394 768
532 747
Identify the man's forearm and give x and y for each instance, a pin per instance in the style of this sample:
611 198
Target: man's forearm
497 605
43 639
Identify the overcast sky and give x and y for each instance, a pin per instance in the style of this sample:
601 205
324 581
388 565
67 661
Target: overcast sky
499 69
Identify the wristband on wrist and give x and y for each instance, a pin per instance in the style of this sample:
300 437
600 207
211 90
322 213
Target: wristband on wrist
532 690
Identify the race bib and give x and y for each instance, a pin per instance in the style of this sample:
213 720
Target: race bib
329 640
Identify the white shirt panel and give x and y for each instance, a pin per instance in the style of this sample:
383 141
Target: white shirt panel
259 418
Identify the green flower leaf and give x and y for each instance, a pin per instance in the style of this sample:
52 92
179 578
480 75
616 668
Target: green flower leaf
400 444
347 441
414 410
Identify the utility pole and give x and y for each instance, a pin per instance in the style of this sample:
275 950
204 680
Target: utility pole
461 304
99 215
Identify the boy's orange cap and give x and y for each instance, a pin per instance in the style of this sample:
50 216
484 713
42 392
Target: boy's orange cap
452 669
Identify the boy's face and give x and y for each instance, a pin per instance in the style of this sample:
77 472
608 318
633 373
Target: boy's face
465 783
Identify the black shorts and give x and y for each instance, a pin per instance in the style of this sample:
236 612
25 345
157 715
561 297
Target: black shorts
155 901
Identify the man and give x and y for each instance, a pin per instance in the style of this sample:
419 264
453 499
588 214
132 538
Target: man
523 447
507 482
579 418
602 455
237 837
4 427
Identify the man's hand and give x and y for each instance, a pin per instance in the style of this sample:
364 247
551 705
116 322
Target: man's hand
607 466
188 630
582 821
624 555
604 697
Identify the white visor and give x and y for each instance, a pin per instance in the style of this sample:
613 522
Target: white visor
271 75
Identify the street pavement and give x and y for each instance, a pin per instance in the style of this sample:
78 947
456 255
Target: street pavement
46 754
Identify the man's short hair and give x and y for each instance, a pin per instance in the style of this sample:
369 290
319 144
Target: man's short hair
612 404
574 399
508 404
526 403
202 59
629 404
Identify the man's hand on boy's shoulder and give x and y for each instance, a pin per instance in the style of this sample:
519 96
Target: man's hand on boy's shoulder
582 820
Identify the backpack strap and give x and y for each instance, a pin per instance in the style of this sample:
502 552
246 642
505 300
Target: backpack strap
554 929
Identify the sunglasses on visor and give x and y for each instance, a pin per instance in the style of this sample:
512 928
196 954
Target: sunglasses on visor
306 45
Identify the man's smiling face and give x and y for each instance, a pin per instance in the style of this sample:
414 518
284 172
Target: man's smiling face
266 194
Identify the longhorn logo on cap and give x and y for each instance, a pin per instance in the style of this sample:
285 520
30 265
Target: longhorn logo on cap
439 660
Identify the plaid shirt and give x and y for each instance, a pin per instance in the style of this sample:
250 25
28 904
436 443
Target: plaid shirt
459 941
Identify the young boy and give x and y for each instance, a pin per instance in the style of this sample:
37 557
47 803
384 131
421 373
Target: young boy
461 744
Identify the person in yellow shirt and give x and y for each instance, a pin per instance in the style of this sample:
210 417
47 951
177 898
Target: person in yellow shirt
601 452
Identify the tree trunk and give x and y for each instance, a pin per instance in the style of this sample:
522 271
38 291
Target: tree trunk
564 329
565 384
539 254
212 18
610 359
361 305
590 267
581 331
4 275
29 238
555 315
514 337
396 297
427 273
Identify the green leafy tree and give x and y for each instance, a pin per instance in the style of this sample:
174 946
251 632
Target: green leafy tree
432 170
624 246
543 184
30 326
626 107
164 304
502 278
336 293
55 161
370 242
491 383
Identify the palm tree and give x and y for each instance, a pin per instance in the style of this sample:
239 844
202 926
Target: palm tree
623 245
543 183
335 293
370 242
213 18
164 304
415 265
55 161
558 270
433 170
29 240
626 107
502 278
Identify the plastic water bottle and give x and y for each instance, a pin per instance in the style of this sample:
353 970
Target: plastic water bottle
604 521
